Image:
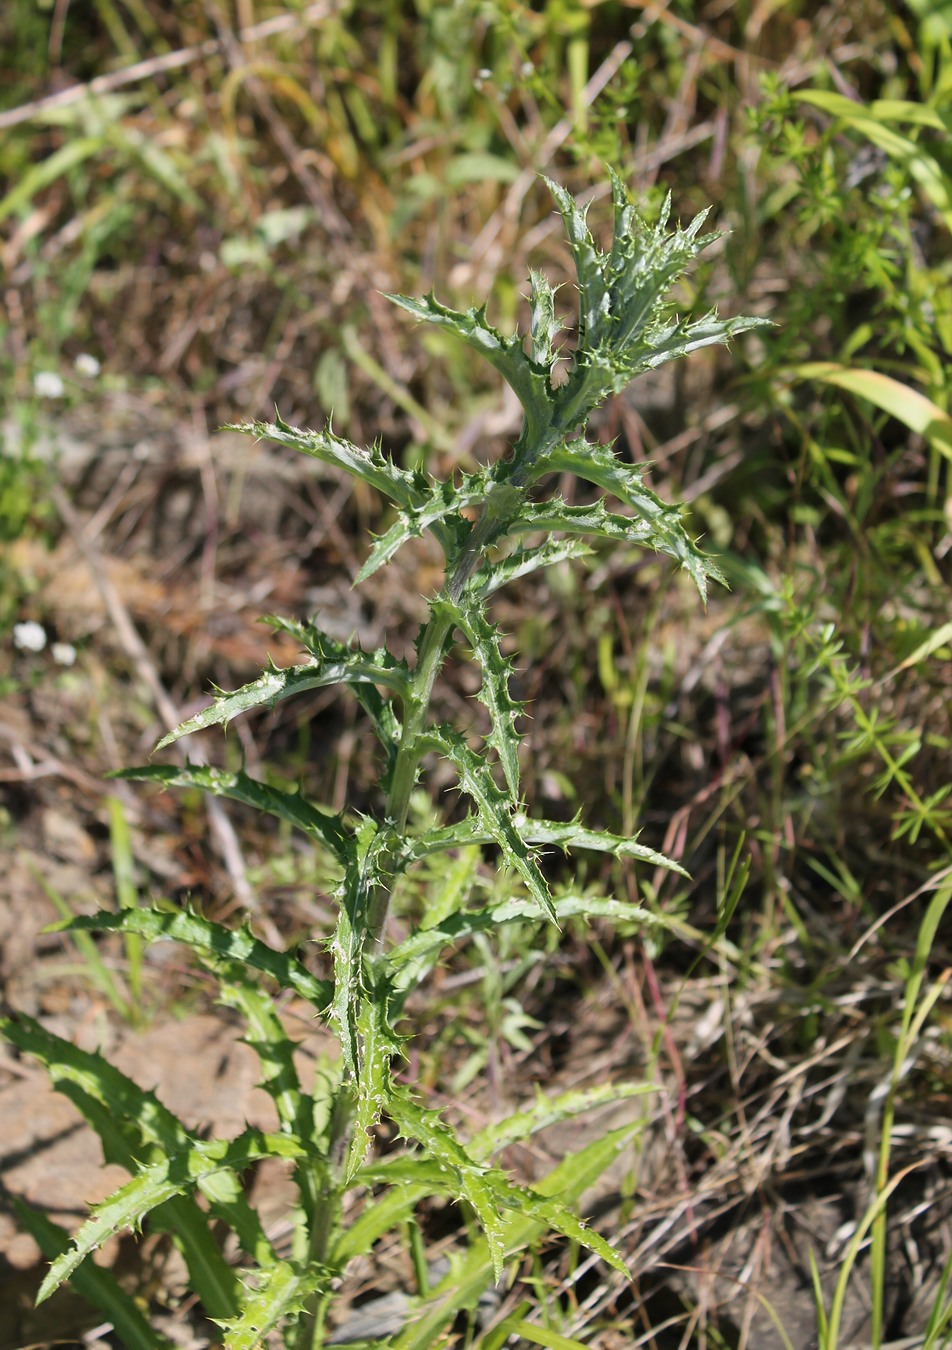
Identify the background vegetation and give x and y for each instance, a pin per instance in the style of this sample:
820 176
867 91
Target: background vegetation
202 204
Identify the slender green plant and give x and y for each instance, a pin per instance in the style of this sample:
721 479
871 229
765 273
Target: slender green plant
494 526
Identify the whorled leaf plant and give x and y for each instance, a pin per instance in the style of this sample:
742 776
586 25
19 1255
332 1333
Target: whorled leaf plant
493 526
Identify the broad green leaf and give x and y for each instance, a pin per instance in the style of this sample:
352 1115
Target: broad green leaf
178 1174
275 684
372 466
493 811
239 787
529 381
483 638
98 1287
907 405
235 944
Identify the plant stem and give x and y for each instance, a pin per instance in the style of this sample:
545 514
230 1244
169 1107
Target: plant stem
416 710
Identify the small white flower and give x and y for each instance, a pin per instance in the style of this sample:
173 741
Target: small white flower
88 365
47 384
29 636
485 73
64 653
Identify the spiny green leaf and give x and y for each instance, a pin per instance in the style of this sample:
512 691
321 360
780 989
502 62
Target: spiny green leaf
492 576
543 324
289 806
379 710
364 874
474 1272
475 1183
98 1287
665 531
275 684
177 1174
236 944
563 834
127 1145
590 269
445 501
592 519
280 1292
378 1045
418 953
372 466
483 638
493 811
529 381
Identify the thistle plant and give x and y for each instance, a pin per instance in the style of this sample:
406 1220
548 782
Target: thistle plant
494 526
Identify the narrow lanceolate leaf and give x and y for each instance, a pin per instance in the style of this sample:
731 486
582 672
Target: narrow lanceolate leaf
529 381
475 1182
442 506
562 834
420 952
469 1278
178 1174
268 1037
288 806
664 527
379 710
372 466
98 1287
494 811
483 638
275 685
547 1111
279 1292
235 944
492 576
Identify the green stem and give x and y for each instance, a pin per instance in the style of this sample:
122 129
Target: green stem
417 707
